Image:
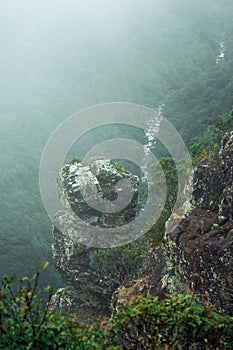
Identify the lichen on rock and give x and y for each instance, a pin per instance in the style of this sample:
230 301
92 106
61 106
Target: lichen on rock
199 251
77 234
196 254
92 191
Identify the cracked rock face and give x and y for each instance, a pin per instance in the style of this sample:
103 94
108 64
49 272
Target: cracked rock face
89 292
196 255
97 192
199 260
213 182
199 251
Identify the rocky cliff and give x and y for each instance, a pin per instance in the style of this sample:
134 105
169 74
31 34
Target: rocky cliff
196 256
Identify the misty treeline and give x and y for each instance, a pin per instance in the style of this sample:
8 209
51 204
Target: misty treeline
59 57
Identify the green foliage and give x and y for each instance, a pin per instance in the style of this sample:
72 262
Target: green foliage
118 165
168 165
177 322
26 323
171 175
220 125
198 151
120 262
208 144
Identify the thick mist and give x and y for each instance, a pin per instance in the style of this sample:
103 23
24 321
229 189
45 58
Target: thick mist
79 52
58 57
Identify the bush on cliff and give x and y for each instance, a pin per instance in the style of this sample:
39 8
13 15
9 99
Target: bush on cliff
177 322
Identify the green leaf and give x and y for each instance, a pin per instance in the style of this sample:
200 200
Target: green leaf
44 265
47 289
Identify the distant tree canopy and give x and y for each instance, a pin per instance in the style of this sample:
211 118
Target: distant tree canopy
209 142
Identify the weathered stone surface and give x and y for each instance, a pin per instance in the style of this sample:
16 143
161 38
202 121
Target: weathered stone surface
75 240
148 282
124 294
97 192
199 259
213 182
84 306
196 255
72 258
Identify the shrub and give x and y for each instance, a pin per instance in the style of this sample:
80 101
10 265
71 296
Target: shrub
175 323
27 322
119 263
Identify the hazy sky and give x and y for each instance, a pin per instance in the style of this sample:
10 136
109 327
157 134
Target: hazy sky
72 46
96 50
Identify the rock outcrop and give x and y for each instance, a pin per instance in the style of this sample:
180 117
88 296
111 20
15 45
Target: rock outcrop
97 192
196 255
77 236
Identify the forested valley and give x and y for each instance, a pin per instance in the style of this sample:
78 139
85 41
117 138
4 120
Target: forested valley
58 58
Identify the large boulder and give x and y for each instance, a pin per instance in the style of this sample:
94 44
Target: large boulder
97 192
77 234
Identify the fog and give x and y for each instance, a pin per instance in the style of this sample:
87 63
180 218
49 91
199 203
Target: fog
78 49
57 57
60 56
